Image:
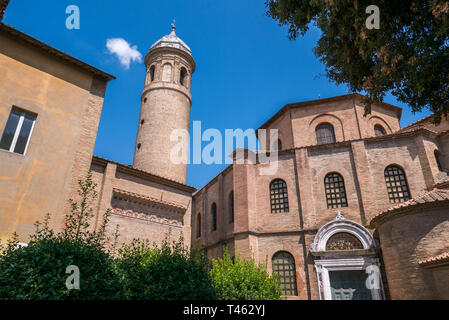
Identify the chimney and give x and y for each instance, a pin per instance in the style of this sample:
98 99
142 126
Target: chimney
3 5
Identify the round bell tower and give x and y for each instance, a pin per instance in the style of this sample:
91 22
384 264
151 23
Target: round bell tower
166 102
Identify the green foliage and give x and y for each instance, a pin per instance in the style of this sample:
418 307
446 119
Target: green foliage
77 225
243 280
38 271
140 272
168 272
408 55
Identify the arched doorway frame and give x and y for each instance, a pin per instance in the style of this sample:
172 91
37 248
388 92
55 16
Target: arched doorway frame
350 260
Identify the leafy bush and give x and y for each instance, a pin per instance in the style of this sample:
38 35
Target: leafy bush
38 271
169 272
243 280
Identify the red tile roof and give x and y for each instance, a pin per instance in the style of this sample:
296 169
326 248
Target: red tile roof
322 101
442 183
415 123
436 260
143 174
430 198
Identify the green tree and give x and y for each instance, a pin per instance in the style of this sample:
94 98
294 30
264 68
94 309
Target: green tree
168 272
243 279
408 55
38 271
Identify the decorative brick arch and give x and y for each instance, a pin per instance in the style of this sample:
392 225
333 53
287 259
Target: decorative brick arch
331 119
362 260
341 224
376 120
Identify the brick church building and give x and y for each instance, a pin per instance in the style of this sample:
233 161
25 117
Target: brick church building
353 199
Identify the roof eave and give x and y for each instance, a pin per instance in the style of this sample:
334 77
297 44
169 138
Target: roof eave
55 52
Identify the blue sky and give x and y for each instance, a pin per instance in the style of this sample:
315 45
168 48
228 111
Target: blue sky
247 69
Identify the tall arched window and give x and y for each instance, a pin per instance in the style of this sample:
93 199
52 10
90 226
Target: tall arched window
152 69
438 160
325 133
284 267
279 196
183 76
379 130
213 215
166 73
231 207
334 186
397 185
198 226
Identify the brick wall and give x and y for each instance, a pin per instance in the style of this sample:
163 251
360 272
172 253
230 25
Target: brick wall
407 239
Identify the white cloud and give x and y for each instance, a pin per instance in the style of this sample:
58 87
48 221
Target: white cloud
124 52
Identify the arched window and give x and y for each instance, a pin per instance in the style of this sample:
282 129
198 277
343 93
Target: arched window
325 134
231 207
198 226
334 186
166 73
284 267
152 73
183 76
379 130
213 214
438 160
279 196
343 241
397 186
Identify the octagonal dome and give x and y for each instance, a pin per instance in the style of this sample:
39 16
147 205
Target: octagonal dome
173 41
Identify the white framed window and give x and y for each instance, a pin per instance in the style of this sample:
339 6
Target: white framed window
18 130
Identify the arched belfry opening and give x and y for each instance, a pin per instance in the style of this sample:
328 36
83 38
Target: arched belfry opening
183 77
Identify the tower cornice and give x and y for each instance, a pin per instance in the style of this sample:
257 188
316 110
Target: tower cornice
167 85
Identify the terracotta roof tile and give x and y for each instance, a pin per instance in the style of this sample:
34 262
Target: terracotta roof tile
427 198
161 179
442 258
415 123
442 182
398 110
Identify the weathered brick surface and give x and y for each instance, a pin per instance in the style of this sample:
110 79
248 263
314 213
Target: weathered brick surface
139 218
407 239
165 108
359 157
441 280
